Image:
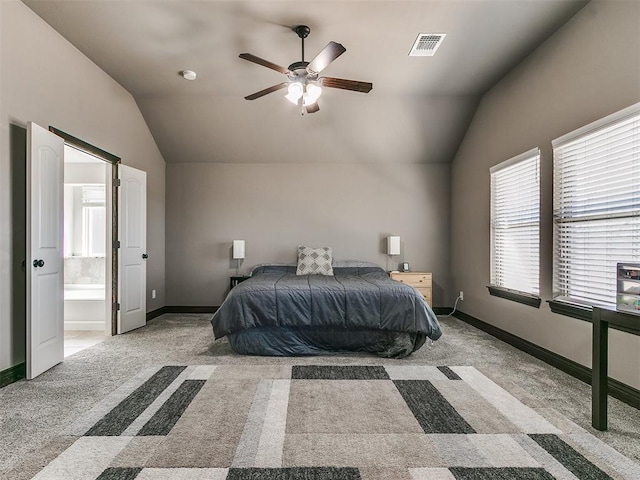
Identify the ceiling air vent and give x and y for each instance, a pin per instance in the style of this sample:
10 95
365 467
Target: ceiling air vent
426 44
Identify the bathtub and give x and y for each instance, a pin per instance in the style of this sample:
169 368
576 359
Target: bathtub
84 307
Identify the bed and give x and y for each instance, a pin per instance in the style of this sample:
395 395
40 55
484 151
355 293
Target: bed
359 308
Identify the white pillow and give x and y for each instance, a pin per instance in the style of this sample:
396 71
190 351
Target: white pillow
314 261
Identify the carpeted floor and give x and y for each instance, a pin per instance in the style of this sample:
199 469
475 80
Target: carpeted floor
330 422
115 410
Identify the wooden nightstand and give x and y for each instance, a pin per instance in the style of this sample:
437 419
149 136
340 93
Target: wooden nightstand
421 281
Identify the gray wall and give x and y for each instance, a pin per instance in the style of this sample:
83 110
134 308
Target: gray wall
45 79
276 207
588 69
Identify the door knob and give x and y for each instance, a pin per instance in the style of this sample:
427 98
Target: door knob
38 263
145 256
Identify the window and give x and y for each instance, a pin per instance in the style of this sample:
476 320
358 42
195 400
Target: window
93 220
515 224
596 207
84 220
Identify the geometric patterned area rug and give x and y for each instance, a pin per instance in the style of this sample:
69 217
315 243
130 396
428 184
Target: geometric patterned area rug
306 422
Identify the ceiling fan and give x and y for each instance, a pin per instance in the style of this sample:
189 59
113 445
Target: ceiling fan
303 83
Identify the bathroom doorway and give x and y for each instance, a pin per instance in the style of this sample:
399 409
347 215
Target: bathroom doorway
87 313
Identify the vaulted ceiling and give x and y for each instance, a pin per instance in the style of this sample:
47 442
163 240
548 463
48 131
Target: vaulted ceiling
418 110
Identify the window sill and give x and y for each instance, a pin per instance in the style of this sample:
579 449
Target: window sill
580 312
531 300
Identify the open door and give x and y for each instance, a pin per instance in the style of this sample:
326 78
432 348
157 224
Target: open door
44 260
132 233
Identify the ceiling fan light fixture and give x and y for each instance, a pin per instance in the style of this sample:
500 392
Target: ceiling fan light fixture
312 94
295 91
304 85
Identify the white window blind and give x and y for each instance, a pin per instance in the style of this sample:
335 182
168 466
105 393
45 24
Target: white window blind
515 223
94 194
596 202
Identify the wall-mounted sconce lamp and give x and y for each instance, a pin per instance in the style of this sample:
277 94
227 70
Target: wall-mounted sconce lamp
238 252
393 248
393 245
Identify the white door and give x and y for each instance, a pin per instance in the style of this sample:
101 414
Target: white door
132 233
44 261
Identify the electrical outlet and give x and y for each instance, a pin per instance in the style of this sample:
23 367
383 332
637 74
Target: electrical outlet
461 295
153 294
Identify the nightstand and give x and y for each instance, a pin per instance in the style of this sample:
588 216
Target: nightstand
421 281
236 279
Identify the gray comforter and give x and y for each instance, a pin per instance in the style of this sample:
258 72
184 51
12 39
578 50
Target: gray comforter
355 299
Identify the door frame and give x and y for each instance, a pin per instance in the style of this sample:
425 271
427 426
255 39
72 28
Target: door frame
112 273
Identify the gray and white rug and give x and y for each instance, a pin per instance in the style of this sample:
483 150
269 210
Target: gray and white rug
312 422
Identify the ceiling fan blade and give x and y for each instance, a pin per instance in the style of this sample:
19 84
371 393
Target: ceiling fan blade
356 86
327 55
263 62
264 92
313 108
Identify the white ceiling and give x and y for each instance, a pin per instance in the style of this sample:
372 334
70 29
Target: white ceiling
73 155
419 107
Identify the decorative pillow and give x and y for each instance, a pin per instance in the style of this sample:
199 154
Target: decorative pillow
314 261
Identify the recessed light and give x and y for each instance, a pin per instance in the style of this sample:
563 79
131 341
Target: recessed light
188 74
